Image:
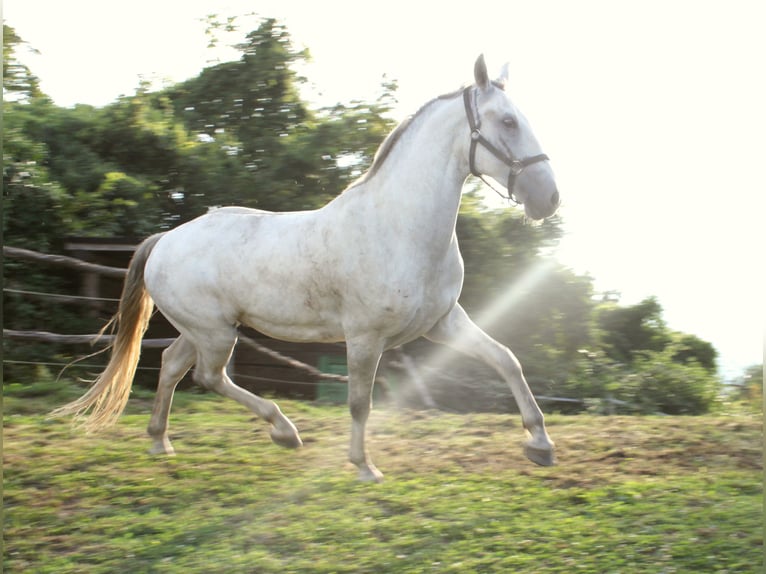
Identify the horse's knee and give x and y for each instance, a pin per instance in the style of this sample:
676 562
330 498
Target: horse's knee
359 407
506 362
156 428
514 366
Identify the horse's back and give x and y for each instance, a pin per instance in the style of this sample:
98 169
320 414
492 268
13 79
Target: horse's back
238 210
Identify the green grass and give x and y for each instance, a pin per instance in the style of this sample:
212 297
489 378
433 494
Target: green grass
629 495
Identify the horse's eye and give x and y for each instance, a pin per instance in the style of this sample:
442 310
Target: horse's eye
509 122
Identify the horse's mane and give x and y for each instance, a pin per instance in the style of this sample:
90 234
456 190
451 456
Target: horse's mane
391 139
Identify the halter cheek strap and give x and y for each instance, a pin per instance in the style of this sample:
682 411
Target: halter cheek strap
516 165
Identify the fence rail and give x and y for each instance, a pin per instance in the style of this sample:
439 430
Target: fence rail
63 261
95 339
291 362
116 272
59 297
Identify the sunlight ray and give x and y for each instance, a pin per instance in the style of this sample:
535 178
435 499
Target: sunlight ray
443 357
515 293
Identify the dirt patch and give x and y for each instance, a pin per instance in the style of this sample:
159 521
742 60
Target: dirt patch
590 450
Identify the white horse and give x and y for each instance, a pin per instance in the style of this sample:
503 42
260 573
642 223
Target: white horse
376 267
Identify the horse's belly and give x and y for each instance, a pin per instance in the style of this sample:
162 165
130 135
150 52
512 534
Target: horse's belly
293 320
421 321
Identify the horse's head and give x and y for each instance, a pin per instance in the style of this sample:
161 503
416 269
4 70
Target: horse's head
504 147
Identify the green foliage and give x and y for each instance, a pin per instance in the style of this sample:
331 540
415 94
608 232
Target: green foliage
597 381
114 209
237 134
660 383
629 330
18 81
747 390
31 198
654 382
281 155
496 243
690 348
33 207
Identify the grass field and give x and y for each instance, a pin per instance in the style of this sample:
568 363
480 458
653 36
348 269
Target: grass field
629 494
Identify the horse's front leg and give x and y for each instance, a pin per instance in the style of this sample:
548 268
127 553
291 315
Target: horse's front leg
363 356
458 331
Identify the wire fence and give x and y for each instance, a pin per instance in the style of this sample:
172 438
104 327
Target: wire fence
47 337
77 264
60 297
153 369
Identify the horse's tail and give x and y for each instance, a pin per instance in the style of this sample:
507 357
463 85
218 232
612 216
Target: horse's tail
107 397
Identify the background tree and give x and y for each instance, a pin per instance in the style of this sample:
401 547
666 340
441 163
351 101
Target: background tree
749 388
19 83
690 348
31 218
638 360
628 330
287 157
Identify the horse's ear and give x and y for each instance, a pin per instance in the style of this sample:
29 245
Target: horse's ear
503 79
480 73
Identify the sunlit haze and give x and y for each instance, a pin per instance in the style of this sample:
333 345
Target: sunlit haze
652 113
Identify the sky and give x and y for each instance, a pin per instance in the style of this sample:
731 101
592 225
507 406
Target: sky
651 111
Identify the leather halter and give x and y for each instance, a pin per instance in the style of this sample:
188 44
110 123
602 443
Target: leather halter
516 165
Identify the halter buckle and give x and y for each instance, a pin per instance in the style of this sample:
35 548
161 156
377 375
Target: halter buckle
516 166
475 135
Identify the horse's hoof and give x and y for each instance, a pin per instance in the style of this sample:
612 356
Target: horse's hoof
289 440
162 449
541 456
370 474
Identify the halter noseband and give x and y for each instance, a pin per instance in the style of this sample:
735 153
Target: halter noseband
516 165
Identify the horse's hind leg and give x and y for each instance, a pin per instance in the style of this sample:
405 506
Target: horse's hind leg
177 359
210 372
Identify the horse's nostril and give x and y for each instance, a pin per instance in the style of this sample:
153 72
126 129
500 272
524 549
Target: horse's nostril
555 198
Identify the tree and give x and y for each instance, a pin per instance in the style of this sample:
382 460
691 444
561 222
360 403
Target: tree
18 81
750 387
690 348
628 330
519 295
31 196
238 134
637 359
31 218
286 156
659 383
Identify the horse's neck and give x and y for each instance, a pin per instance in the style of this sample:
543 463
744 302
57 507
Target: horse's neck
422 178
